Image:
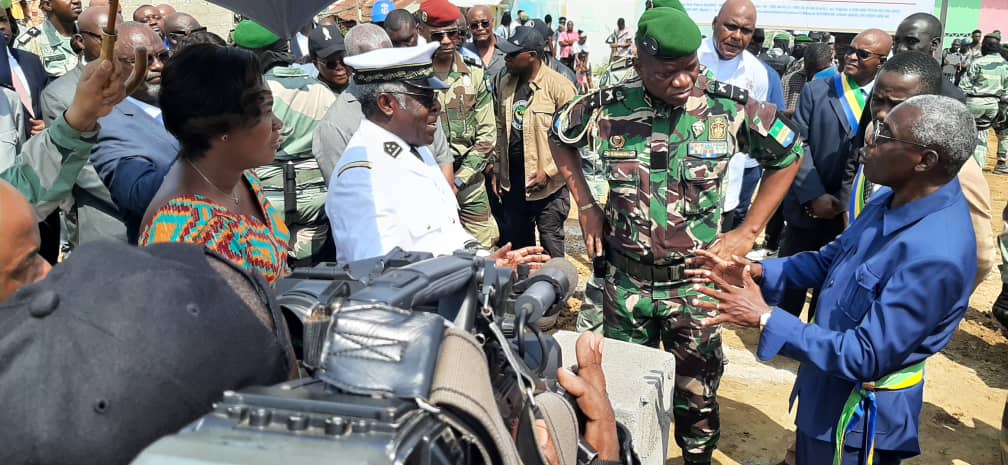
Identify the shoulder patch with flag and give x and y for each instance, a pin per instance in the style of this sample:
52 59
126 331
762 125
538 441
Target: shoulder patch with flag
782 133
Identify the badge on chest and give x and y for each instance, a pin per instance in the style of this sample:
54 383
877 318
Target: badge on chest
716 149
616 152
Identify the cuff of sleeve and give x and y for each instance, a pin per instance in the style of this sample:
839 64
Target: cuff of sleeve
63 135
771 286
465 174
780 328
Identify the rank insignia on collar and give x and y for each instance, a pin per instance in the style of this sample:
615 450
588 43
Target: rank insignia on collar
698 128
718 127
617 142
393 149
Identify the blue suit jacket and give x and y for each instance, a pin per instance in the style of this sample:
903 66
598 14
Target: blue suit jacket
830 137
895 286
133 153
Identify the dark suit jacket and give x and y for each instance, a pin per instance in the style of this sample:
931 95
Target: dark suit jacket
831 139
133 153
31 65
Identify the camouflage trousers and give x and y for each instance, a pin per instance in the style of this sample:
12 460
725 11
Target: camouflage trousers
1002 146
984 112
474 212
643 313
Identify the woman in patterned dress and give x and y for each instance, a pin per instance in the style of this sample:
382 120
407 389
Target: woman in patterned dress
215 102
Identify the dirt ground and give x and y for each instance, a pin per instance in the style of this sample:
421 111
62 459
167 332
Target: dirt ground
964 396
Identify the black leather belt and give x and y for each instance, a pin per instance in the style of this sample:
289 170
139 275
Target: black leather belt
674 272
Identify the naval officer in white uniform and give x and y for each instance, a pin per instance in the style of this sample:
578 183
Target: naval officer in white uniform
386 190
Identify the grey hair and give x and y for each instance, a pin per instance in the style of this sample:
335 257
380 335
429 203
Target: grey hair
366 37
946 125
367 95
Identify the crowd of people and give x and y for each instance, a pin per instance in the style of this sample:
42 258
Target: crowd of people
448 128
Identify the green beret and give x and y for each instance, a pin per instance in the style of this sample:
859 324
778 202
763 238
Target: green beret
6 3
782 36
250 34
667 33
803 39
649 4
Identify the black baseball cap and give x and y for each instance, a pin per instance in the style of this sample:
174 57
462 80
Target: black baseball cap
524 39
120 345
325 41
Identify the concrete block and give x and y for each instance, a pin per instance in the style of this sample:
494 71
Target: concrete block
640 381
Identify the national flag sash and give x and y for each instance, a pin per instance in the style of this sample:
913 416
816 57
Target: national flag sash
851 99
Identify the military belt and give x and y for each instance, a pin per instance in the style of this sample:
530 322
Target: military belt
675 272
984 96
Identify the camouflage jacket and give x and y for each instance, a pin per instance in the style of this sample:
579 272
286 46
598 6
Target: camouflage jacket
467 116
986 77
666 166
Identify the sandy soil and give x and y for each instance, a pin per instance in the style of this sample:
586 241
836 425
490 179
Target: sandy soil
964 395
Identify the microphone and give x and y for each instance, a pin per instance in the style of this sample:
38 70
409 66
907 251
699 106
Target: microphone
555 282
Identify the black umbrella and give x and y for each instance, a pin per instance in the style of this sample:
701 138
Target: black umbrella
283 17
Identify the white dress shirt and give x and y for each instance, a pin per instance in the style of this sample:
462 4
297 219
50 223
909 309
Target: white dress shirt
382 196
745 71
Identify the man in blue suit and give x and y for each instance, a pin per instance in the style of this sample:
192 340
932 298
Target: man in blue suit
828 115
892 295
134 151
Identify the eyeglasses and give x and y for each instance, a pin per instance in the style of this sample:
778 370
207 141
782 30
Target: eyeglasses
440 35
330 64
877 136
513 55
479 24
425 99
161 57
89 33
861 53
183 33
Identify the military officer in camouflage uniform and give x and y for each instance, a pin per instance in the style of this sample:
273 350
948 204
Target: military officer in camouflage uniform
467 117
985 84
51 41
293 182
666 138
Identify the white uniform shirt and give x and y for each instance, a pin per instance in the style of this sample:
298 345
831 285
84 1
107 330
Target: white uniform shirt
745 71
378 201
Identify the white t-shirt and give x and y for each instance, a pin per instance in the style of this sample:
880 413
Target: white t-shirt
745 71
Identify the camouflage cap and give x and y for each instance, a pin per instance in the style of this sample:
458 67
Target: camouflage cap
667 33
649 4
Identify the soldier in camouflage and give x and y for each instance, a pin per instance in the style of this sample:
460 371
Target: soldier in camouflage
51 41
666 138
467 117
985 84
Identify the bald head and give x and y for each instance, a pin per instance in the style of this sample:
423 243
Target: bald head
733 28
90 24
919 32
179 25
481 23
165 9
366 37
133 35
866 55
20 263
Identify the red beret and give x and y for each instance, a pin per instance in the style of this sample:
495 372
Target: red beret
439 13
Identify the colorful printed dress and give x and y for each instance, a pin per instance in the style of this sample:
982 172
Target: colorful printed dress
244 240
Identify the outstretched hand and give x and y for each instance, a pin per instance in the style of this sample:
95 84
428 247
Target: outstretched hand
738 305
507 258
706 263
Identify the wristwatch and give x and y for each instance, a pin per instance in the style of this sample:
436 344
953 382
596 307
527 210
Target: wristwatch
764 318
